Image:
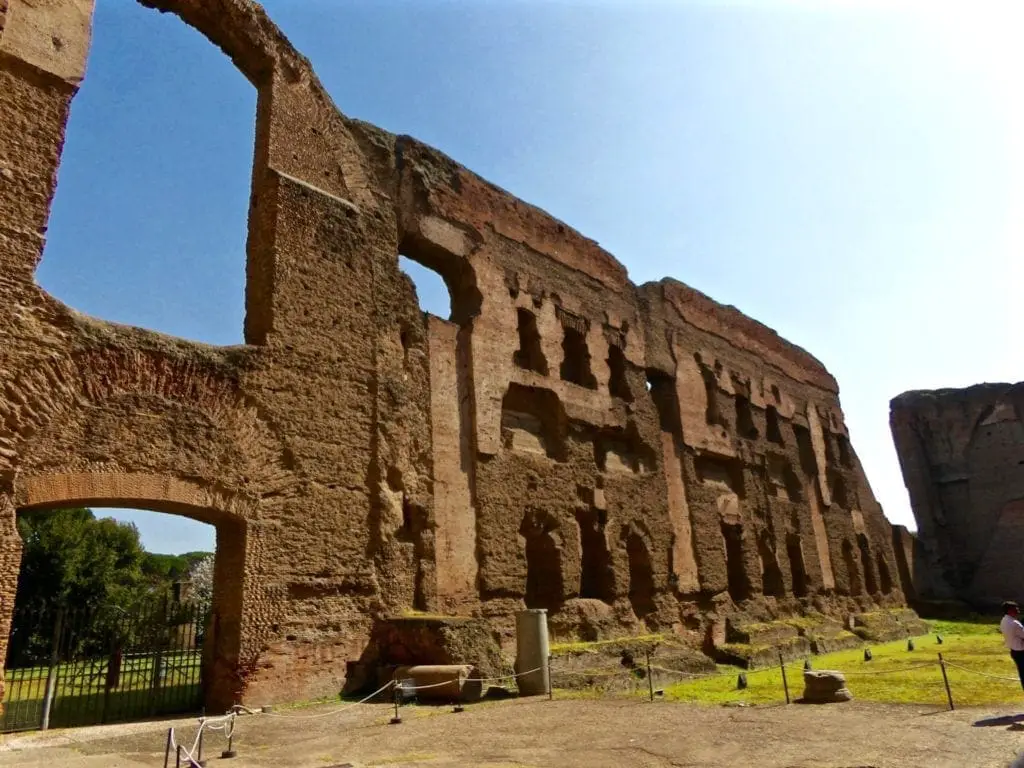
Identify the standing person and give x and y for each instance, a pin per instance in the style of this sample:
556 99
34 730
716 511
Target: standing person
1013 636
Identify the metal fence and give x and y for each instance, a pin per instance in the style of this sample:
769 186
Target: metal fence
68 667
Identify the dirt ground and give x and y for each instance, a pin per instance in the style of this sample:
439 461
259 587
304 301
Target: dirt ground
563 734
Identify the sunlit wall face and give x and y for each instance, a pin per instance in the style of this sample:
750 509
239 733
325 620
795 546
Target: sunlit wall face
847 172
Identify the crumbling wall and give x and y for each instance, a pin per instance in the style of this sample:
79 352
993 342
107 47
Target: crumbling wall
631 458
962 455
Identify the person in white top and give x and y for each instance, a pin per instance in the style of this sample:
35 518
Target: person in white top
1013 636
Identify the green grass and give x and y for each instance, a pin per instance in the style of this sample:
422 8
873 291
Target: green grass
81 696
974 644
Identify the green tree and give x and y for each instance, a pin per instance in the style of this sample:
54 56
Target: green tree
73 561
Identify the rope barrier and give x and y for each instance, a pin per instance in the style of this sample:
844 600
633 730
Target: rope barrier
227 724
893 670
513 676
320 714
983 674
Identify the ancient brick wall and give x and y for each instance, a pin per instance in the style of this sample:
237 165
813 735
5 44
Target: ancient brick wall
962 455
633 457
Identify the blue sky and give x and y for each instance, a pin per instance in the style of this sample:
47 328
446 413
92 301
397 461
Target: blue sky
849 173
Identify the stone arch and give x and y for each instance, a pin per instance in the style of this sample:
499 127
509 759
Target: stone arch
44 397
232 514
138 429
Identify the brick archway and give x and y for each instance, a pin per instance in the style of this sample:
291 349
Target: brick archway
231 514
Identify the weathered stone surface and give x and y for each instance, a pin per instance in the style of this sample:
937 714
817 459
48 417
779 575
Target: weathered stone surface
962 455
633 458
825 686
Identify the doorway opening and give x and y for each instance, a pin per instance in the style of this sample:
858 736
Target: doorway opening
852 574
739 583
121 630
597 576
641 574
544 583
797 570
866 564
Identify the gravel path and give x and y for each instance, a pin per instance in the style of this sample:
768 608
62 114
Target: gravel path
566 734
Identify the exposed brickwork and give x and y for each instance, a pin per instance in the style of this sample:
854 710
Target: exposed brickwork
962 455
632 458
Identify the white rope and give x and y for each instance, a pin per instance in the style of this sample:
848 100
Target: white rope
513 676
983 674
893 670
380 690
226 722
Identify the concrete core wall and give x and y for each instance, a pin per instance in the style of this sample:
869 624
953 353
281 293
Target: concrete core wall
962 455
639 457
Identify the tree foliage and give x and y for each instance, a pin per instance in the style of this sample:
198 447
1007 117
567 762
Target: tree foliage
75 562
201 577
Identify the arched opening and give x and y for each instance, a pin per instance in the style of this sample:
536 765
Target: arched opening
618 384
745 418
738 581
431 290
530 355
845 451
774 431
155 180
533 421
129 632
797 570
597 577
641 574
575 353
840 496
713 412
883 574
544 584
866 565
771 575
852 574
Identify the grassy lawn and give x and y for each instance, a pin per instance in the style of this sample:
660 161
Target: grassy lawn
81 696
975 645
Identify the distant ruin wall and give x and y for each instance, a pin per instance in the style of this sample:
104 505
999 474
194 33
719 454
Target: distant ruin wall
633 458
962 455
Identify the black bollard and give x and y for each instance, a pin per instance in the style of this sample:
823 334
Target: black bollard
397 718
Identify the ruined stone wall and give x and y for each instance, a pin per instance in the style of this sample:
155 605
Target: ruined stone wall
962 455
629 457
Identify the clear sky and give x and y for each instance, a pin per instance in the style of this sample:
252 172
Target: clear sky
849 173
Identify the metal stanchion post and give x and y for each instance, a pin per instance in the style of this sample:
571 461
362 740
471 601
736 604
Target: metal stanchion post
398 693
551 691
167 749
199 754
230 751
945 680
650 680
785 682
